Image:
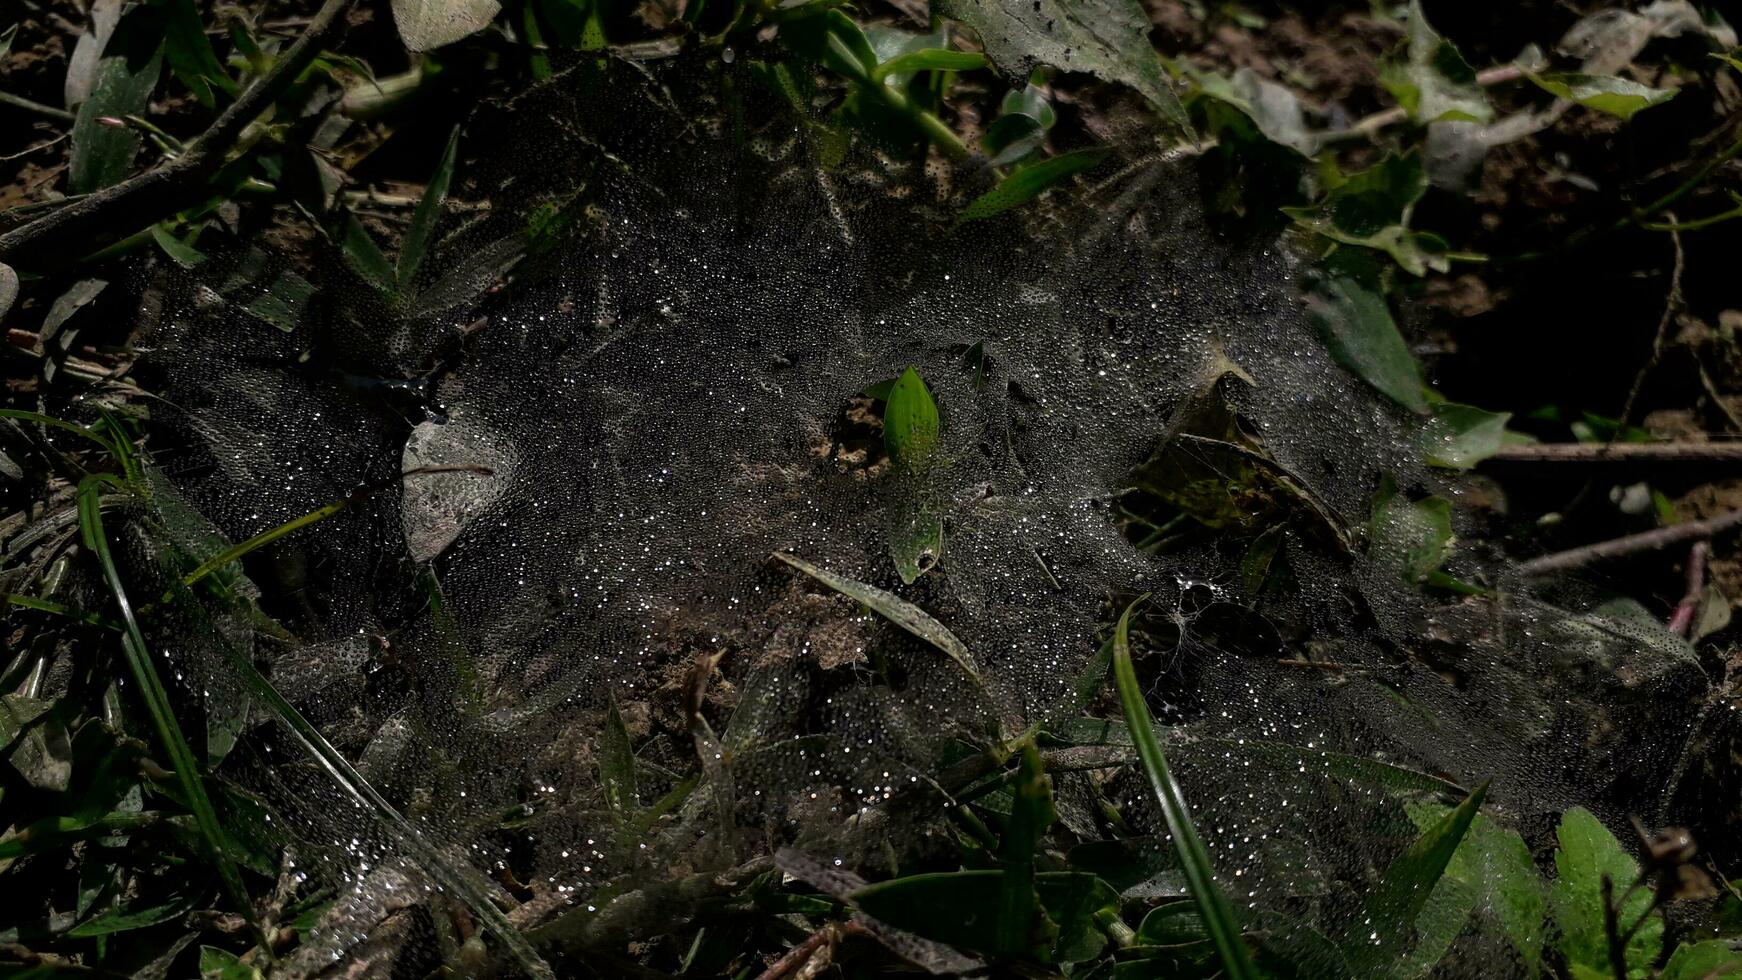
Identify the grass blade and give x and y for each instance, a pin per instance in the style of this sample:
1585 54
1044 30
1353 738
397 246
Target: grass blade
1396 903
156 699
617 768
404 833
423 220
1213 906
893 608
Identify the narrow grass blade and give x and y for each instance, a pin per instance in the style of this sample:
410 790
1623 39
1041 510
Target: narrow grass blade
57 609
1396 903
151 689
337 768
236 551
63 425
1213 906
617 767
423 221
893 608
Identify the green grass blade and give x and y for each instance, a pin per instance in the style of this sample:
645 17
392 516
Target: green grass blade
1213 906
156 699
57 609
1394 906
423 220
617 768
63 425
406 834
893 608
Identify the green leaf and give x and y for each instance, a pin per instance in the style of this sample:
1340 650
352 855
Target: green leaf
1357 326
1435 83
1403 891
916 544
1620 97
1460 436
1412 537
119 919
1030 182
423 221
1496 866
1106 38
929 59
1709 960
190 52
1588 854
617 767
1011 138
962 908
1273 108
1173 924
364 256
102 153
1029 101
1212 904
179 252
893 608
218 964
910 421
1371 208
833 40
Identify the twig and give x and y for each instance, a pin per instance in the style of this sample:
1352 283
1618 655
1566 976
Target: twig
31 105
1681 622
1672 304
1368 125
1662 537
799 955
35 147
1622 452
65 235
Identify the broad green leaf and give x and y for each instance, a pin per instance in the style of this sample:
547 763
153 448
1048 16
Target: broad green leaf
1173 924
1212 904
929 59
268 291
1412 537
617 767
1072 901
1460 436
893 608
1710 960
1106 38
1273 108
102 152
1357 326
1434 83
1396 903
1496 865
1588 854
1371 208
910 421
1029 182
1030 101
427 24
423 221
1620 97
916 544
190 52
1441 918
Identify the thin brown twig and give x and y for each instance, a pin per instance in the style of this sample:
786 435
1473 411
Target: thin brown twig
801 954
1662 537
1368 125
1727 451
66 234
1672 304
1681 622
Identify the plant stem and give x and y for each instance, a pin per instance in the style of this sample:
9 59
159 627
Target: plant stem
1662 537
30 105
